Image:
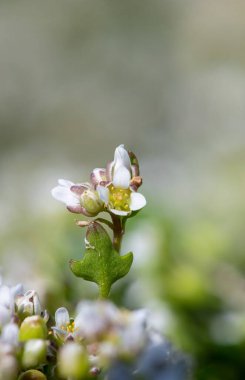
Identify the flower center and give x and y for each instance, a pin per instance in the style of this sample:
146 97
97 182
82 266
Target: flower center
69 327
119 199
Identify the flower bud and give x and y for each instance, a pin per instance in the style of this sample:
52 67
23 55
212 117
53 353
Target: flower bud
32 374
33 328
28 305
72 361
34 353
91 201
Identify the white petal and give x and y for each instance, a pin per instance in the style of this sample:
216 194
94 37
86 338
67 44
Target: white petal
94 317
61 317
10 334
63 194
6 298
121 157
5 315
121 177
119 212
65 183
140 317
26 307
109 170
59 331
103 193
17 290
98 175
138 201
32 296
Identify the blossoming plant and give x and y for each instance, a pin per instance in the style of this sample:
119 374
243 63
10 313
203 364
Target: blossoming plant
102 341
113 190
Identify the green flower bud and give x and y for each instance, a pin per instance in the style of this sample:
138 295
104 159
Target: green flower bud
32 374
33 328
72 361
34 353
91 201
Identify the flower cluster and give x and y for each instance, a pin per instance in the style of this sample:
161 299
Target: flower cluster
113 189
23 333
102 341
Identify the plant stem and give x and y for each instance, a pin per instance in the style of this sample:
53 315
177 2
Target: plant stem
118 231
104 291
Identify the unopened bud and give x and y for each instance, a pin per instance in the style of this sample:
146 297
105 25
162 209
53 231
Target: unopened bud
33 328
91 201
136 182
34 353
72 361
32 374
28 305
82 223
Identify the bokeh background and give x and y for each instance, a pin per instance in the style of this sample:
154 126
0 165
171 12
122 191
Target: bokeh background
167 79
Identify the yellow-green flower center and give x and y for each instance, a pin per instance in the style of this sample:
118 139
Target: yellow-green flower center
69 327
119 199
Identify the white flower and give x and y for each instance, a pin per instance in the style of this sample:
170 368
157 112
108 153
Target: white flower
94 318
8 362
134 336
10 334
7 302
119 191
28 304
64 326
79 198
113 189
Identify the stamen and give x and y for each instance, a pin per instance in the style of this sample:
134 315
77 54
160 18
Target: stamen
119 199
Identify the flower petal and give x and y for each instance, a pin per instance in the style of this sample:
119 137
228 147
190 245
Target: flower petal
98 175
61 317
103 193
65 183
6 297
121 177
79 189
5 315
109 168
59 332
64 194
78 209
32 297
121 157
138 201
10 334
119 212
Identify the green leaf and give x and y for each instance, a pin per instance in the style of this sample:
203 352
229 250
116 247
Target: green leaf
101 263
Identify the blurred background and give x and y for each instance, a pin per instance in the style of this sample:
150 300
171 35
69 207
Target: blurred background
167 79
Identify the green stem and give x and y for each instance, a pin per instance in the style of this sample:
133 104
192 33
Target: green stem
104 291
118 231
